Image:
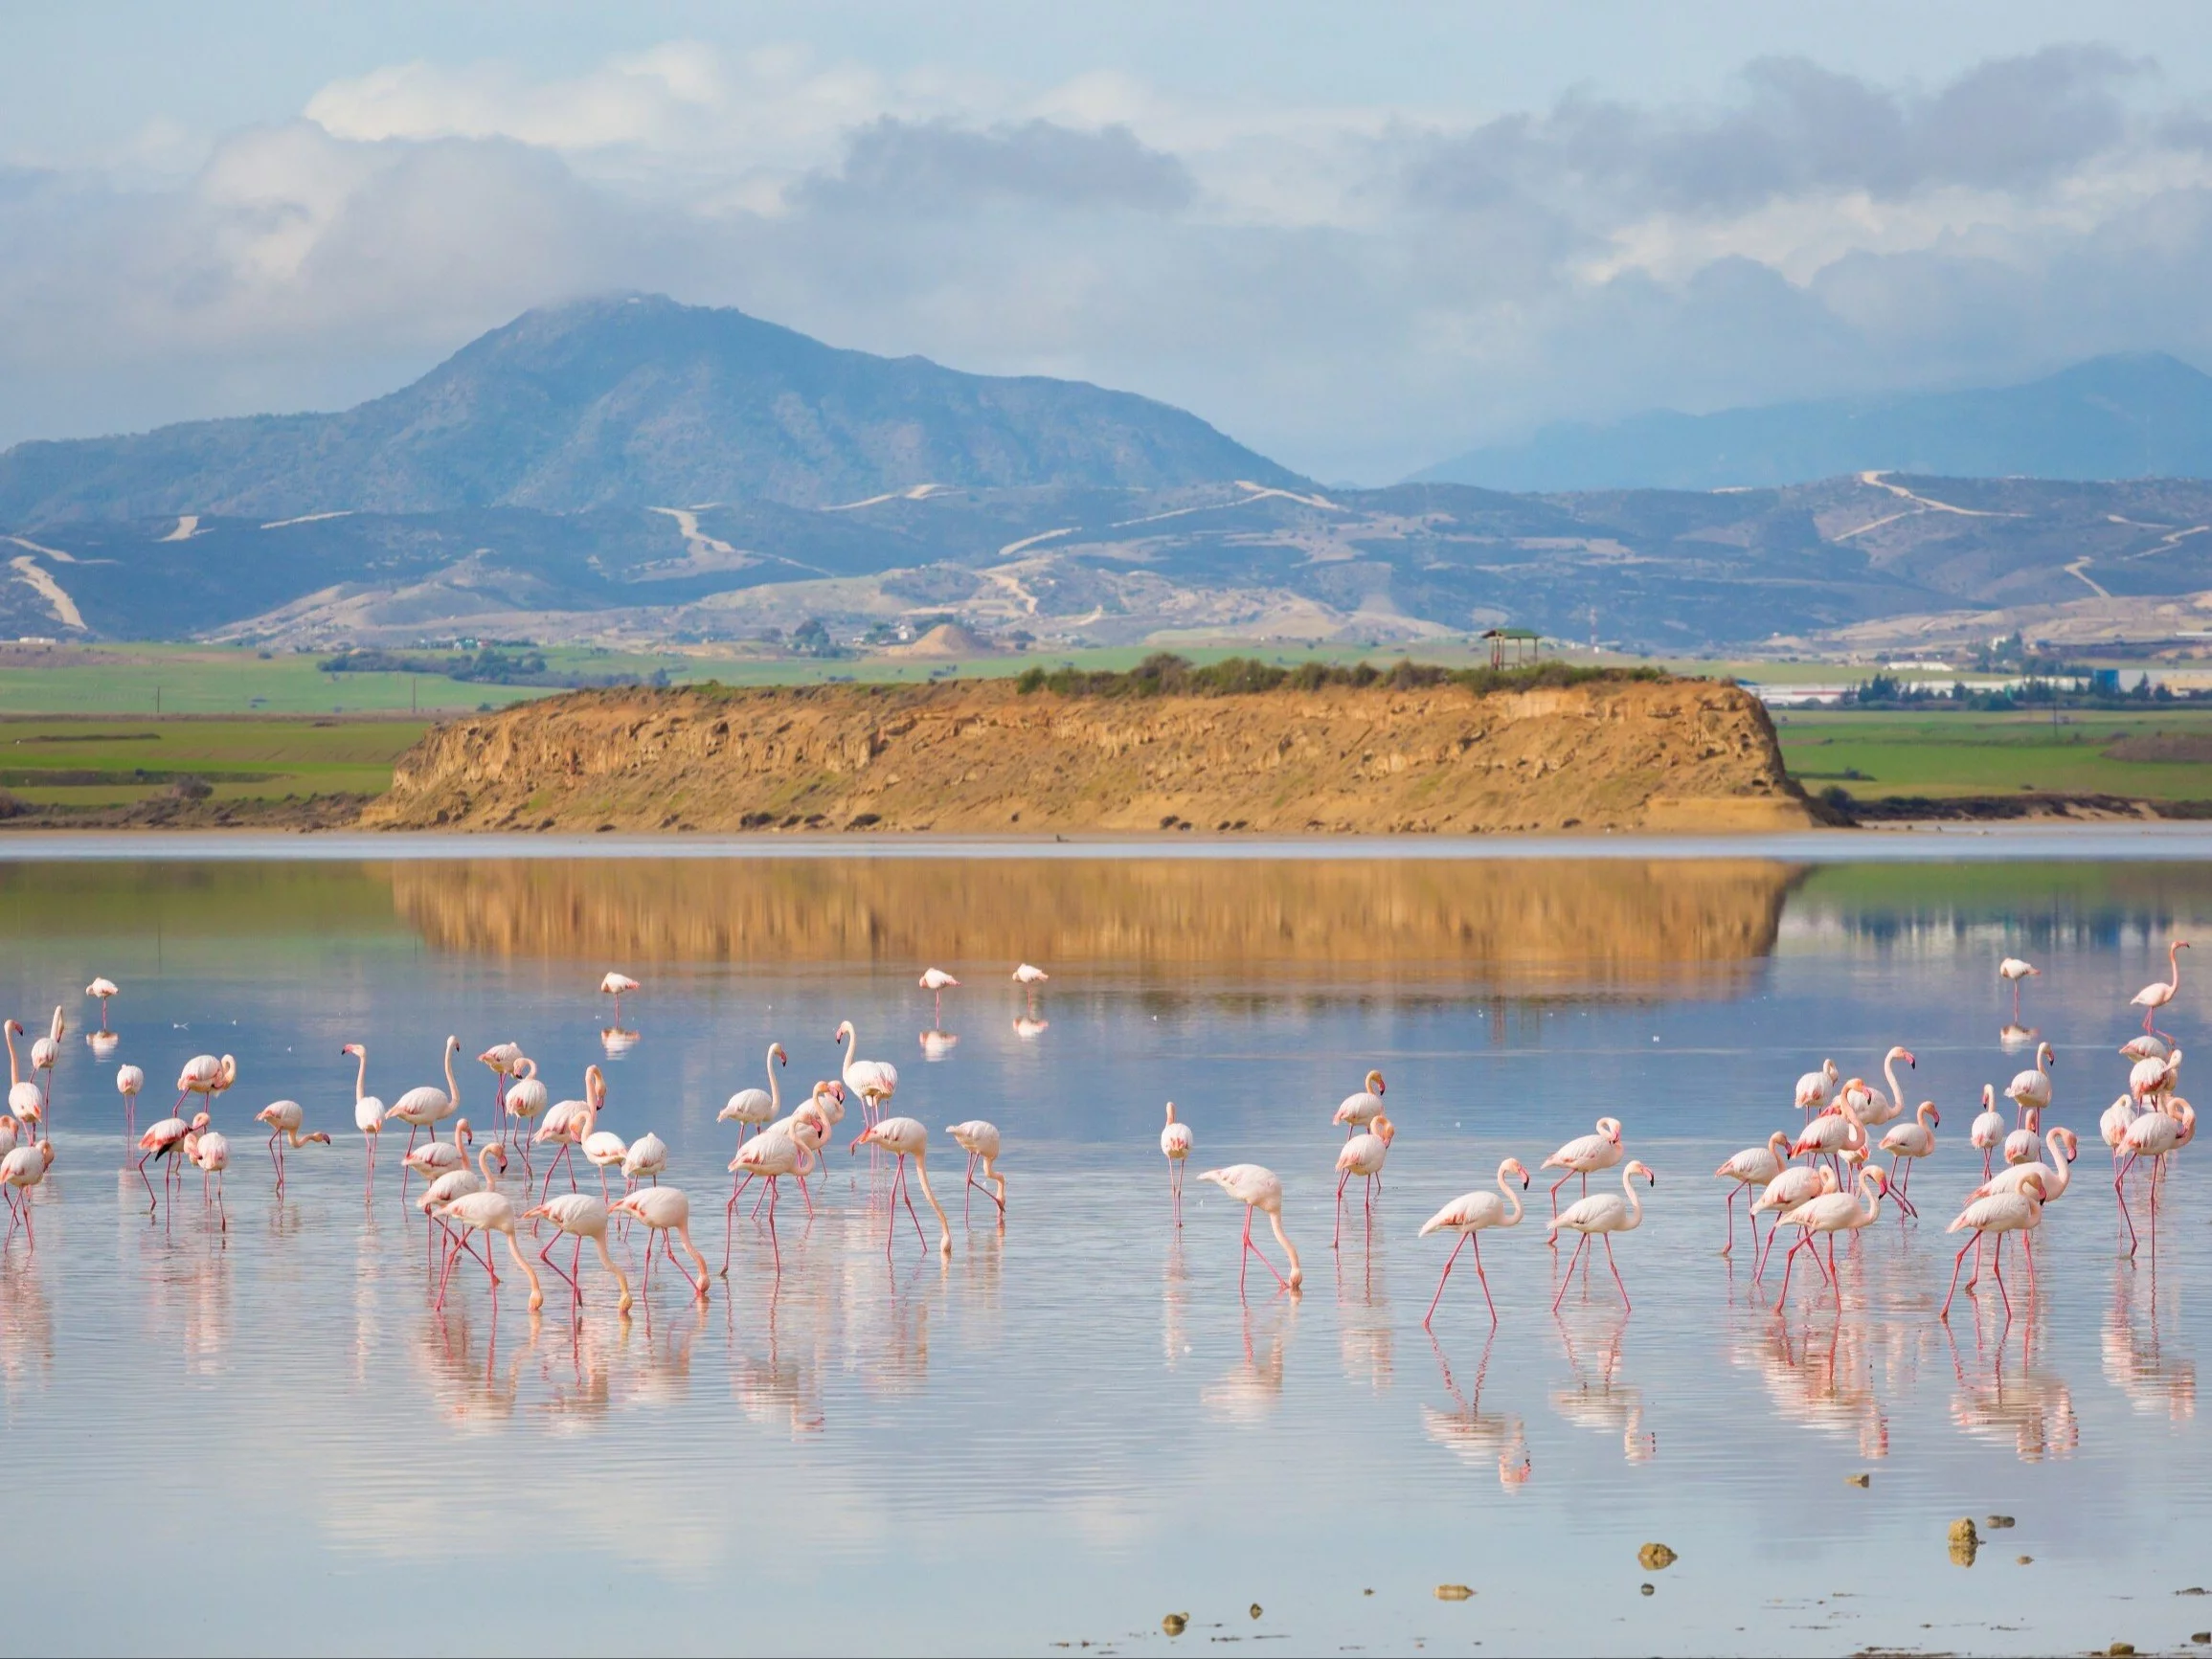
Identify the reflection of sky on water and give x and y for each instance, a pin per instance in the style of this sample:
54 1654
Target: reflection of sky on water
1074 1426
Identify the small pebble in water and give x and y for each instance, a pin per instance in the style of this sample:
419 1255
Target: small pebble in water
1996 1523
1655 1558
2024 1561
2119 1648
1256 1609
2201 1637
1647 1590
1451 1592
1858 1480
1366 1592
1175 1624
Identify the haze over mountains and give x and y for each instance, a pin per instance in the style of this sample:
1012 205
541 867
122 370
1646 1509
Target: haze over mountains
631 471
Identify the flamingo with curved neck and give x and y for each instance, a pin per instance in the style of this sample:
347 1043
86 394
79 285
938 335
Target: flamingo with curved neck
1603 1216
1831 1214
569 1124
1468 1216
2159 993
23 1097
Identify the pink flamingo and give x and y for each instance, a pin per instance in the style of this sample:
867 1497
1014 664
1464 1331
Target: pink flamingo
2012 970
776 1151
1584 1155
436 1157
1030 978
206 1076
1603 1216
1175 1143
128 1081
1874 1108
566 1125
1258 1188
581 1217
979 1140
1358 1111
284 1118
1363 1155
2159 993
664 1210
24 1099
1914 1140
644 1159
165 1140
2024 1144
1793 1186
104 989
1811 1094
874 1081
1988 1132
426 1106
485 1212
21 1170
2031 1091
211 1153
906 1139
937 982
618 986
43 1054
368 1113
1835 1133
1830 1214
2057 1175
1469 1215
524 1099
502 1057
1753 1167
751 1108
2155 1135
2000 1213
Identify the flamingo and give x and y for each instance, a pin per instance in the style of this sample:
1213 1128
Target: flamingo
2025 1144
284 1118
2000 1213
44 1053
206 1076
2033 1088
1603 1216
10 1133
616 986
2155 1135
581 1217
1874 1108
485 1212
1793 1186
825 1105
905 1138
128 1081
211 1153
568 1122
502 1058
2012 971
776 1151
979 1140
1030 978
1914 1140
937 981
2057 1175
646 1158
165 1140
605 1150
1584 1155
104 989
458 1183
874 1081
2149 1077
23 1097
524 1100
1834 1134
2159 993
751 1108
1258 1188
1358 1111
664 1210
1175 1143
436 1157
21 1170
2144 1047
1813 1087
1833 1213
1753 1167
1363 1155
427 1106
1987 1131
1470 1214
367 1111
2112 1126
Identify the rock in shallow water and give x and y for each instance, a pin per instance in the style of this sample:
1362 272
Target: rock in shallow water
1655 1558
1175 1624
1452 1592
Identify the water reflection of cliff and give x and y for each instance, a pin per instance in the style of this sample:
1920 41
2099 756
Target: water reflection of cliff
1587 916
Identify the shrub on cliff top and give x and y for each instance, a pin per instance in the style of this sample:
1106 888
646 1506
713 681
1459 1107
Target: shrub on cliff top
1164 674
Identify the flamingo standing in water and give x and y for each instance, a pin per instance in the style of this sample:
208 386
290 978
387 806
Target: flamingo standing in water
1470 1214
21 1170
502 1057
1175 1143
1874 1108
645 1160
581 1217
1363 1155
1753 1167
284 1118
128 1081
1833 1213
874 1081
1988 1132
439 1157
367 1111
1836 1133
979 1140
2012 970
905 1138
937 982
1583 1156
210 1152
524 1099
1603 1216
1914 1140
1813 1087
2159 993
2025 1143
165 1140
605 1149
205 1076
23 1097
776 1151
2155 1135
1030 978
2031 1091
2000 1213
664 1210
2063 1145
104 989
43 1054
616 985
751 1108
1258 1188
566 1125
1358 1111
427 1106
485 1212
1793 1186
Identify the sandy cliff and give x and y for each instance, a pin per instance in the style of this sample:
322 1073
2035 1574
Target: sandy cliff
982 756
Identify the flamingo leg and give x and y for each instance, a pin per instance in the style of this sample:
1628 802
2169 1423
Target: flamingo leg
1997 1266
1958 1262
546 1256
1728 1250
1441 1279
730 1219
775 1246
1555 1186
905 1192
1617 1278
1580 1240
1337 1233
2120 1191
1788 1260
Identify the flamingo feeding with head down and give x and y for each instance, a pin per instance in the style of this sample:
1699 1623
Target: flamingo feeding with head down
906 1139
1258 1188
664 1210
1363 1155
874 1081
101 988
581 1217
1358 1111
1470 1214
1175 1143
368 1110
284 1118
485 1212
751 1108
1753 1167
1584 1155
2159 993
2012 970
2000 1213
1603 1216
979 1140
786 1149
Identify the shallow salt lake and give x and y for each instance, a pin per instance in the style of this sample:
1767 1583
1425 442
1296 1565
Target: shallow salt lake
265 1437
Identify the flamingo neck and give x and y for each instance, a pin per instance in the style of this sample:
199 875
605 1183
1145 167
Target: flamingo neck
484 1167
851 1054
775 1088
921 1174
361 1079
14 1075
452 1089
1871 1194
1634 1203
1889 1071
1512 1200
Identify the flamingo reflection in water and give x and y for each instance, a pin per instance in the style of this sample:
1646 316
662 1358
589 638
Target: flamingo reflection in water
2157 1383
1251 1392
1477 1437
1598 1400
1826 1385
2033 1408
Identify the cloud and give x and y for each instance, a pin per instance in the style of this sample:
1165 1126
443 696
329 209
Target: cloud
1357 290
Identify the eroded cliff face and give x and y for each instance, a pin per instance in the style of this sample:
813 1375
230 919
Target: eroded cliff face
979 756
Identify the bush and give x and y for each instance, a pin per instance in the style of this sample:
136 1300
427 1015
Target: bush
191 788
1164 674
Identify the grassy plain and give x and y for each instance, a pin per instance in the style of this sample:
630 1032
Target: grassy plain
50 762
1878 755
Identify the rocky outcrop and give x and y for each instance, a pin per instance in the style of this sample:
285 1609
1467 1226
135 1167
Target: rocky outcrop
982 756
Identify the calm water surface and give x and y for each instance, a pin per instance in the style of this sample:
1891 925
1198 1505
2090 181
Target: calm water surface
267 1439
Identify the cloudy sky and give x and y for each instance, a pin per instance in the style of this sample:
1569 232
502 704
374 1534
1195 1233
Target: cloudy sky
1359 238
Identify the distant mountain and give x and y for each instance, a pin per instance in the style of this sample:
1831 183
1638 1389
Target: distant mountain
2146 416
630 402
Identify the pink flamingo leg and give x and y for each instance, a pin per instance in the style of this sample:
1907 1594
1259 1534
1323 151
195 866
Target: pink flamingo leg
2120 1191
545 1255
1958 1262
1996 1267
1617 1278
1337 1235
1555 1186
1729 1248
1580 1240
1446 1274
730 1220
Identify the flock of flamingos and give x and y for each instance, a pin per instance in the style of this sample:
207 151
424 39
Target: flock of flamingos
1815 1178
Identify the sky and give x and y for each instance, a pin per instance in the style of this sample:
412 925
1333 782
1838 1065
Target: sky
1359 238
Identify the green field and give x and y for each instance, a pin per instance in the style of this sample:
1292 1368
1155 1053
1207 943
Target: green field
1878 755
105 763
